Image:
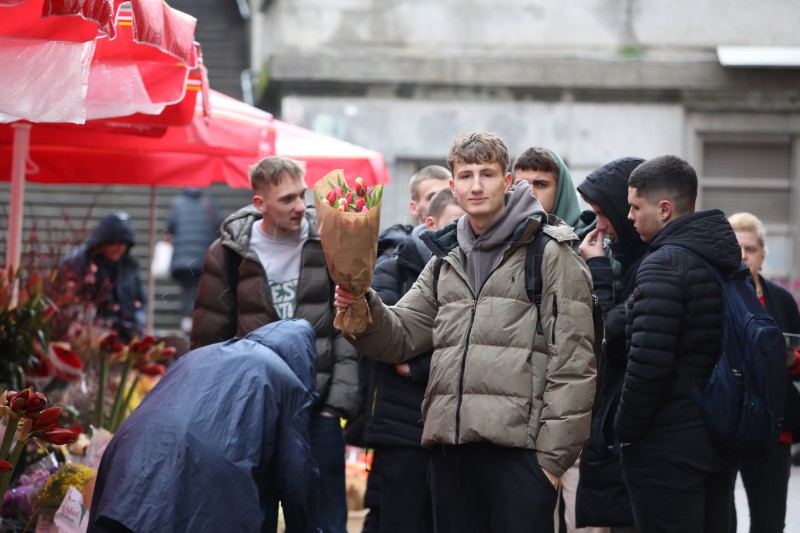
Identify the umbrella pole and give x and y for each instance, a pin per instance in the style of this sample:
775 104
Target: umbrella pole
151 282
22 140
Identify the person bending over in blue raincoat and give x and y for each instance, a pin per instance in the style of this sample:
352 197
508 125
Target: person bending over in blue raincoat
218 442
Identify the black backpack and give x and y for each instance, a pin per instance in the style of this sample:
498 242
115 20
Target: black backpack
533 288
743 400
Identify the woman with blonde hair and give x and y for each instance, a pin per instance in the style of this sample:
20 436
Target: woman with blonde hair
766 480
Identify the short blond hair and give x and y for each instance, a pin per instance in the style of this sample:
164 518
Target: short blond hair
274 169
745 221
431 172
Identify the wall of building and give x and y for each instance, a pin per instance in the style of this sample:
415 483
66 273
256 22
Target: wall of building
592 79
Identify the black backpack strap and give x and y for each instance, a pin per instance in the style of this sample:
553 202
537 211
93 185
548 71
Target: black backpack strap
533 274
437 267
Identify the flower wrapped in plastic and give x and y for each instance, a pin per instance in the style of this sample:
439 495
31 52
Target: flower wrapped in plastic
348 220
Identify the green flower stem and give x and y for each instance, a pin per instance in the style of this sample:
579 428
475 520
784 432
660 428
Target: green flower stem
115 410
8 437
99 406
125 405
5 477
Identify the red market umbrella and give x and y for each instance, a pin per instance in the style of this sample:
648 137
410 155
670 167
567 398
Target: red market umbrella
219 144
76 60
322 154
73 60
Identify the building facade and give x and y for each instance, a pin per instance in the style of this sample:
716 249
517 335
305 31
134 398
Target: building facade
593 80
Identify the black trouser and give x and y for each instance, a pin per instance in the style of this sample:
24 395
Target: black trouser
483 487
398 480
679 483
188 281
766 482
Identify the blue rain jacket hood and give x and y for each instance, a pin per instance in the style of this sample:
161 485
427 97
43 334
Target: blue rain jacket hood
219 441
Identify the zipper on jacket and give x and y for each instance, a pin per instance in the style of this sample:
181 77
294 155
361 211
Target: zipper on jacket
555 318
463 368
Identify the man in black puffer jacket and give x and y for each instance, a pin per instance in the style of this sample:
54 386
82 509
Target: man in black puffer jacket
677 478
397 491
602 499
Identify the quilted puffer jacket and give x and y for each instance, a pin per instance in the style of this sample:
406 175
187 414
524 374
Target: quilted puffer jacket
492 377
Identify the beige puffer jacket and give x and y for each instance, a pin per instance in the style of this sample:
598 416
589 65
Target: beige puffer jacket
492 377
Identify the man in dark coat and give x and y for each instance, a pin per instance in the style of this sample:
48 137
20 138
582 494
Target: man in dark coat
218 442
106 274
397 490
602 498
677 478
193 224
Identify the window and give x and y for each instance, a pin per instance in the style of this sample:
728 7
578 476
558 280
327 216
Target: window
741 173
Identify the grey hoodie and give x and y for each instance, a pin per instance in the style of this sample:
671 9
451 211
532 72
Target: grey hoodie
520 204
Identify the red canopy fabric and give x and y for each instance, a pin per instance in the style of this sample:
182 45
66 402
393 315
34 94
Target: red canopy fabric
214 148
322 154
73 60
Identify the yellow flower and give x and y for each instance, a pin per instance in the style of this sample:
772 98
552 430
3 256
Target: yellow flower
55 488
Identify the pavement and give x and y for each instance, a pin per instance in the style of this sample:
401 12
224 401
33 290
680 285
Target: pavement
742 516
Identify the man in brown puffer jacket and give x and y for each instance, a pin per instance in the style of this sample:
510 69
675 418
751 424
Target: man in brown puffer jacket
266 266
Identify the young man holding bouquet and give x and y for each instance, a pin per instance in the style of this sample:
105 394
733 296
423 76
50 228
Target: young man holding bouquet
268 265
506 410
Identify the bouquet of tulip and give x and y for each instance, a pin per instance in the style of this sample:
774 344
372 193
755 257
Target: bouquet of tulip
27 417
348 221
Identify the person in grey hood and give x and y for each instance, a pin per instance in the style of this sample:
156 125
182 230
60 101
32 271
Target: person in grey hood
506 410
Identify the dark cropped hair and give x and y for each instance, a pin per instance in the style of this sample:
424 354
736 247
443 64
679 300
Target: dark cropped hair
669 177
476 148
536 158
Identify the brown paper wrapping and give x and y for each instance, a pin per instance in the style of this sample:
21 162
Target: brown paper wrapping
350 244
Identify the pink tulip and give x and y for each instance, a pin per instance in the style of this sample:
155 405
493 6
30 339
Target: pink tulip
361 190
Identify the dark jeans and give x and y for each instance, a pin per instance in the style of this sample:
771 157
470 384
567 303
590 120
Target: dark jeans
188 281
679 483
327 448
398 481
766 482
477 488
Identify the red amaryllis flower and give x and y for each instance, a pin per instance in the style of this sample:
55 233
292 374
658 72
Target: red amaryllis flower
144 345
109 341
5 466
35 403
18 400
48 419
57 436
153 370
